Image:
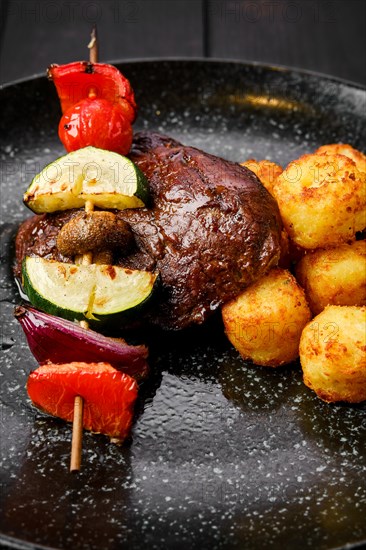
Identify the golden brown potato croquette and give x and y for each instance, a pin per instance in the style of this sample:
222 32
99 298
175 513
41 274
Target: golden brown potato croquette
265 170
333 354
334 277
265 322
322 200
344 149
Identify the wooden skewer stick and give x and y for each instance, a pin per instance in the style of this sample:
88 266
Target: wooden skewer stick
88 256
77 434
77 423
87 259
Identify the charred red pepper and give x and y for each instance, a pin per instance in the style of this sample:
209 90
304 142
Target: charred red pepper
98 106
109 395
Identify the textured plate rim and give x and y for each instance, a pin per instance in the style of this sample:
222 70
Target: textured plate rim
253 64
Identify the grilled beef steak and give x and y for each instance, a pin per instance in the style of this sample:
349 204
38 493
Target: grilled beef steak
211 230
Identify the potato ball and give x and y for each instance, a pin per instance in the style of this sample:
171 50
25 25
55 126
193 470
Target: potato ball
333 354
334 277
322 200
265 322
265 170
347 150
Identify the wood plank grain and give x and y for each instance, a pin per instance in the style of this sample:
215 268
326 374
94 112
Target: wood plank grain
320 35
37 33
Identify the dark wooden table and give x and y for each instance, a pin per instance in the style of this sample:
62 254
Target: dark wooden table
319 35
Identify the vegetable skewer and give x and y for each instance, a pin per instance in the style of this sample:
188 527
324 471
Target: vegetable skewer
87 259
89 288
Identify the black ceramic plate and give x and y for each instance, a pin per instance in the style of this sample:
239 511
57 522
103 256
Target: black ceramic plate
224 454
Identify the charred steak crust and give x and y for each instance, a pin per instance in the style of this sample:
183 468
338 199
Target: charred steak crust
37 237
211 229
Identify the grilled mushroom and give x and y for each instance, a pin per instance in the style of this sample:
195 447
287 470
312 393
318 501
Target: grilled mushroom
96 232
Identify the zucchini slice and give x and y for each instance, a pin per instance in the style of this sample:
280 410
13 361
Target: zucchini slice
97 293
107 179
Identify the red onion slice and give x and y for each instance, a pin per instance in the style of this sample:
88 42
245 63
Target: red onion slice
56 340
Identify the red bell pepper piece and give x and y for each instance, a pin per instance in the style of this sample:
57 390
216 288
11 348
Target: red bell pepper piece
98 106
109 395
74 81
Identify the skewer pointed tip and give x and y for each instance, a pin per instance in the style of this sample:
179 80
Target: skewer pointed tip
93 45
